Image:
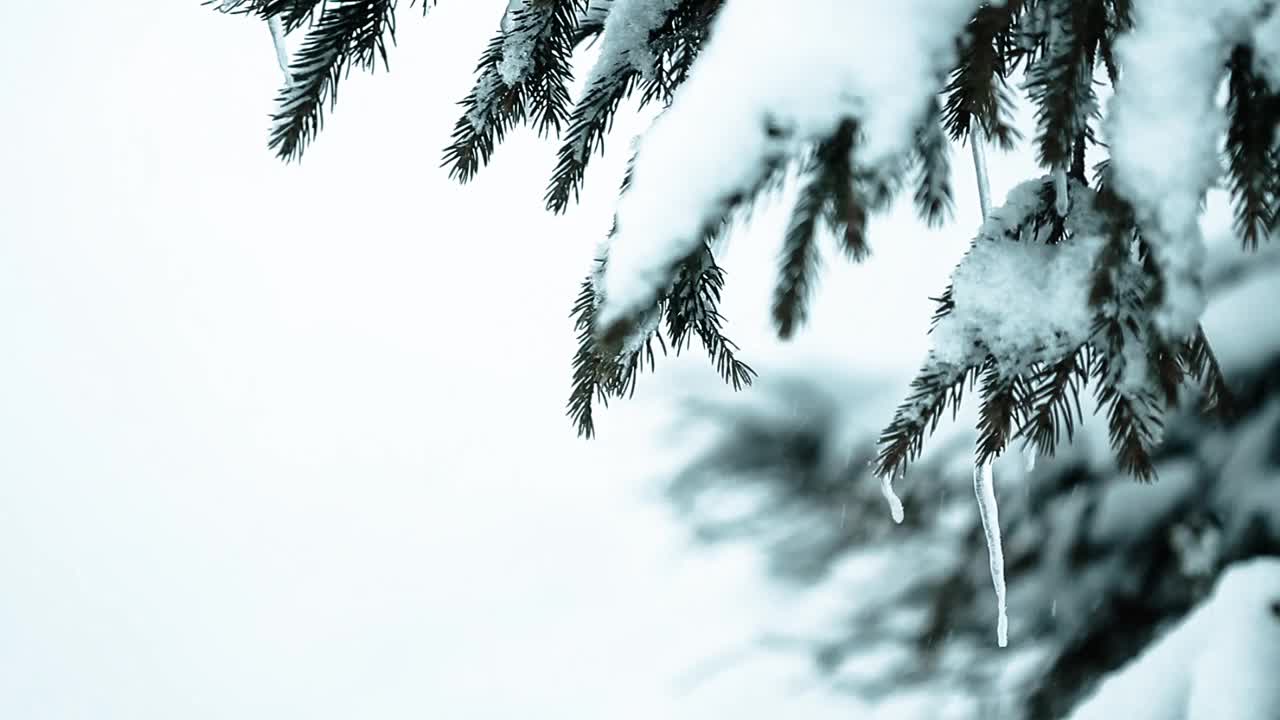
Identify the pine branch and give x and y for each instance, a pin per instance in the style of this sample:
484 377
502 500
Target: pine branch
611 336
293 14
1047 225
1003 408
1125 370
1200 363
834 183
1168 374
977 91
799 262
673 46
597 375
936 387
1137 377
588 123
348 33
1060 82
523 75
237 7
935 202
1119 20
692 307
589 368
1253 170
1135 427
1054 402
828 193
1113 272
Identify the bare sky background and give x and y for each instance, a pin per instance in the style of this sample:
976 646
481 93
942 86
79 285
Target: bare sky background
288 441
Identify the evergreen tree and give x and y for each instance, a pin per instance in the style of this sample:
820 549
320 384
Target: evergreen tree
1090 275
1097 568
1117 248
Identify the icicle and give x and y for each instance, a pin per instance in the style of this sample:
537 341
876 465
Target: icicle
983 485
895 505
1029 459
977 138
277 39
1062 200
984 489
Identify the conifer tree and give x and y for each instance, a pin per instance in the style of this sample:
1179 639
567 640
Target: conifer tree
1086 276
1098 568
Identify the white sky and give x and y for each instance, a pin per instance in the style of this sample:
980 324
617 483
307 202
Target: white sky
288 441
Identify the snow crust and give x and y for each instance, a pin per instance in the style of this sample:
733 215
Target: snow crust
1219 663
799 67
1163 129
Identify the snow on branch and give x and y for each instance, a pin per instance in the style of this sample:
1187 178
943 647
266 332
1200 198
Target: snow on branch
772 75
1163 129
977 95
690 308
523 74
648 45
1040 304
349 32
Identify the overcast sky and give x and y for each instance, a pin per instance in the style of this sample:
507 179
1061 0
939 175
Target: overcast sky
288 441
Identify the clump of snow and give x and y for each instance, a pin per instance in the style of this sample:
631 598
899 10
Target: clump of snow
626 37
985 490
484 91
1219 663
1022 299
1163 130
517 55
799 66
518 42
624 50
